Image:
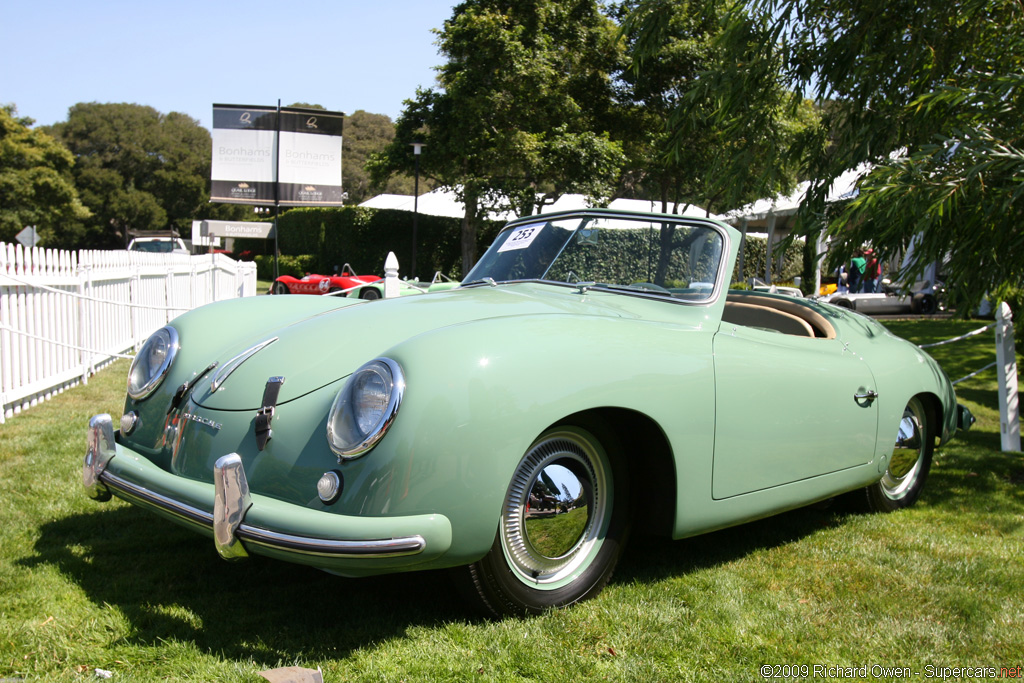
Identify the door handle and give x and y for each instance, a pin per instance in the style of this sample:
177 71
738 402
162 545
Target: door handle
868 395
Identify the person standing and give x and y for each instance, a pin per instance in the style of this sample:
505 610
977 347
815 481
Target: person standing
856 271
871 272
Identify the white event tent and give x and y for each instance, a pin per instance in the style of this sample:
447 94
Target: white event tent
444 203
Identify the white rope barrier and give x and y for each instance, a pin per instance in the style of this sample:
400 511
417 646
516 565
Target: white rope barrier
976 332
975 373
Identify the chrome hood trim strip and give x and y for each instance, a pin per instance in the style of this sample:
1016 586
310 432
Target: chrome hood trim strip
234 363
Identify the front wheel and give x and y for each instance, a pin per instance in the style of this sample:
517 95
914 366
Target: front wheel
369 294
280 288
563 525
909 464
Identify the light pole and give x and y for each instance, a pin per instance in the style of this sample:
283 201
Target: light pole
417 148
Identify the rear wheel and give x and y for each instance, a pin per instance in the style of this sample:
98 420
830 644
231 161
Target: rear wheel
909 464
280 288
369 294
563 525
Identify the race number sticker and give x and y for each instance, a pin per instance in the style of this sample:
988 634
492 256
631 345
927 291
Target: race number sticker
521 237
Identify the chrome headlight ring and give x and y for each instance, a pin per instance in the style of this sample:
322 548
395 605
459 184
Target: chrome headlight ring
152 362
365 408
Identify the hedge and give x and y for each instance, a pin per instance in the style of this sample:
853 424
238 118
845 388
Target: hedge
319 239
362 237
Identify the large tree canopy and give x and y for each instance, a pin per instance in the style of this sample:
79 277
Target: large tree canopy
518 109
137 169
36 187
678 152
925 95
366 134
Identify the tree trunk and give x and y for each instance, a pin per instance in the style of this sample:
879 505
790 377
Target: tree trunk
469 229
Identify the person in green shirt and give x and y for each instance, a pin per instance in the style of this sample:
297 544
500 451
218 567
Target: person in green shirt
856 271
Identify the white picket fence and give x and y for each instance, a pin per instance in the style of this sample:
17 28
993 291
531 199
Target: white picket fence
63 315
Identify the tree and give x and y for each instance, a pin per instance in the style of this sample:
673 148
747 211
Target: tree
36 186
519 115
367 134
927 97
679 151
138 169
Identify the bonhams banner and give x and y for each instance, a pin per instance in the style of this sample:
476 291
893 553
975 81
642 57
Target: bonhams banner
262 158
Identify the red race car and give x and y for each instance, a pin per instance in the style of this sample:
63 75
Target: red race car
325 284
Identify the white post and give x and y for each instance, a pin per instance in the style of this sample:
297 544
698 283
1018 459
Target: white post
391 276
740 277
819 254
1006 365
768 251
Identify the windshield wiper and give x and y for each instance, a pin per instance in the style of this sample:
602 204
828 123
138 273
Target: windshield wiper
481 281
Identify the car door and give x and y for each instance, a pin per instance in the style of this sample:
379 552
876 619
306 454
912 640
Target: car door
786 409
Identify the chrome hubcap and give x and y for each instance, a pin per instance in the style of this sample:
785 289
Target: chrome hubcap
905 462
555 510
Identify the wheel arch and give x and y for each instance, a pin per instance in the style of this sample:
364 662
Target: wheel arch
649 461
933 404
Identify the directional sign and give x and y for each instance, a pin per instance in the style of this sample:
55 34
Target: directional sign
28 237
238 229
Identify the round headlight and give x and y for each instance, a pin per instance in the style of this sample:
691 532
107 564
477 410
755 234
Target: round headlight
151 363
365 407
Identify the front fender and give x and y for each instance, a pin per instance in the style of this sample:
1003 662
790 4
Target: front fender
477 396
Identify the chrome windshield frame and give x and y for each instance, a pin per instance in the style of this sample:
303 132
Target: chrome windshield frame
588 215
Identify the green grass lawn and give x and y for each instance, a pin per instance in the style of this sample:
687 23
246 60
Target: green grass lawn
86 586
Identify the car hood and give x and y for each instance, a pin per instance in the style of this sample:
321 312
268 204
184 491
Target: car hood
325 349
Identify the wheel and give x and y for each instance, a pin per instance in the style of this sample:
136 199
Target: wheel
563 525
369 294
929 305
844 303
909 464
280 288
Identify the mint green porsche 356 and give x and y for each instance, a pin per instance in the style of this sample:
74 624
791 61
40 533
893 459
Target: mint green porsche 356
592 373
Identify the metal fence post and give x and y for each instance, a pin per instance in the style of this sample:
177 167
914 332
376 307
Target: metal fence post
1006 364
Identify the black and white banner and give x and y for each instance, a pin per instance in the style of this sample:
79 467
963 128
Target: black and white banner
260 159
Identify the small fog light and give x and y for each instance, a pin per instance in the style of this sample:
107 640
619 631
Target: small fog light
128 422
329 487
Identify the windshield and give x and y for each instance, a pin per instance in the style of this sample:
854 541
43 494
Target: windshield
155 246
655 255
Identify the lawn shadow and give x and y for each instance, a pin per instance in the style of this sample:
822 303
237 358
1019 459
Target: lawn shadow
170 584
972 469
650 558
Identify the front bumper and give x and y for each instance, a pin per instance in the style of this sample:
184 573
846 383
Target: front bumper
241 522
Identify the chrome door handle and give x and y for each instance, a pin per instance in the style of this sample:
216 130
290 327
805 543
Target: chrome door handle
868 396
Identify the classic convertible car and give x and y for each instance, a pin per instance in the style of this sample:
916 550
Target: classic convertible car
591 374
361 285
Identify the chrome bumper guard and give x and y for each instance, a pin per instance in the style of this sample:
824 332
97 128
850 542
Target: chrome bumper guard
231 502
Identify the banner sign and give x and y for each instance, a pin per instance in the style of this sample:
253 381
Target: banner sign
249 229
310 158
263 158
244 153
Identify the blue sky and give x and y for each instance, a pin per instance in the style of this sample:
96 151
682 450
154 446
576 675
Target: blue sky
184 55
